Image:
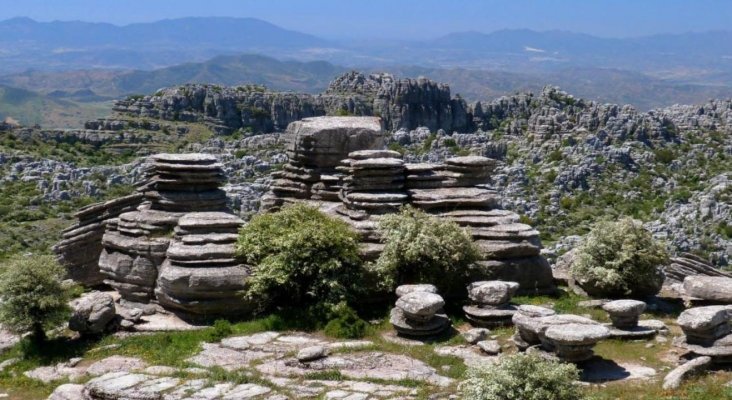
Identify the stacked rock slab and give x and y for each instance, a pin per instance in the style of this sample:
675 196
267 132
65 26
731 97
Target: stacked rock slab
491 307
686 264
707 332
81 243
200 274
315 147
136 242
708 289
418 312
510 250
375 182
525 336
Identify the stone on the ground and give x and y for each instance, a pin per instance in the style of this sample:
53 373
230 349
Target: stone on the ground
312 353
67 391
674 378
475 335
491 347
92 313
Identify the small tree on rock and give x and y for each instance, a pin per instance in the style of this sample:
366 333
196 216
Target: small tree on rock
420 248
32 297
301 257
619 258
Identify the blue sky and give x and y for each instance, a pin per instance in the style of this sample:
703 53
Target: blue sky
409 19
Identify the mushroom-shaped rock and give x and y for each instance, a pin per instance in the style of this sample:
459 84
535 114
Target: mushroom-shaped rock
624 313
574 342
492 293
419 287
420 306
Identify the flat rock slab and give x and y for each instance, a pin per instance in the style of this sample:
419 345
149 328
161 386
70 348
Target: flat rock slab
470 356
7 340
674 378
366 365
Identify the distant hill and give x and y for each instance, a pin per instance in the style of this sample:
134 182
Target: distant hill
600 84
30 108
704 57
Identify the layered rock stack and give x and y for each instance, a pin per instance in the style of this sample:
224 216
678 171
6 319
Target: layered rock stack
525 336
136 242
708 289
200 274
707 332
375 182
315 147
491 307
687 264
81 244
418 312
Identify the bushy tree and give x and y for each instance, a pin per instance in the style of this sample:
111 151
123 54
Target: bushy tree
522 377
300 257
420 248
32 297
619 258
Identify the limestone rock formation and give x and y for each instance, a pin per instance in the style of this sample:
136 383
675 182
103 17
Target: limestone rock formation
686 264
201 274
374 181
711 289
81 243
707 332
92 313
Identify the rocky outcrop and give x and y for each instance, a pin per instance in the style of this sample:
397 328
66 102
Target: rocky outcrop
685 265
401 103
135 243
81 243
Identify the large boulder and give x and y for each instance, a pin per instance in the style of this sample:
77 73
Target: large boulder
322 142
92 313
715 289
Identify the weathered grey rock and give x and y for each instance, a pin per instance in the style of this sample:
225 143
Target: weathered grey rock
323 142
704 325
67 391
686 264
475 335
312 353
674 378
523 319
624 314
492 293
491 347
574 342
92 313
402 290
714 289
410 327
420 306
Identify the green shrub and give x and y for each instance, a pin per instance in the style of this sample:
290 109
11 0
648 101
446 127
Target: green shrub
300 257
33 298
346 324
423 248
522 377
665 156
619 259
221 329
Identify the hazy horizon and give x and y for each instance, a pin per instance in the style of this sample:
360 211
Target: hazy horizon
408 19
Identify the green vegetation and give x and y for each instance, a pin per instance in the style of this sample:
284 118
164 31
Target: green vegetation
522 377
619 259
346 324
423 248
33 298
301 257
